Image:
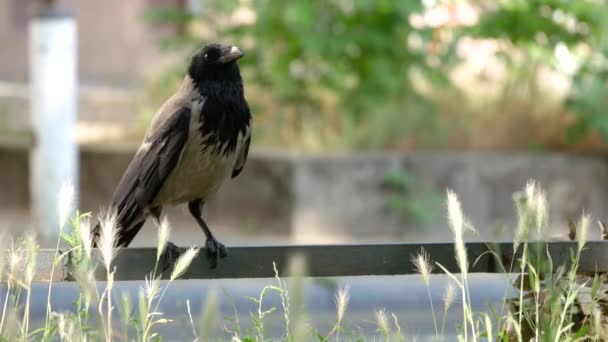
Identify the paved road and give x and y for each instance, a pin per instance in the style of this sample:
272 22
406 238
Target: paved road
403 295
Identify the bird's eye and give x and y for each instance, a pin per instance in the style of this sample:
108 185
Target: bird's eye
206 57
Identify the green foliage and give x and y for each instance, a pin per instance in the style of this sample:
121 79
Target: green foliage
538 27
343 74
589 103
336 73
521 22
356 51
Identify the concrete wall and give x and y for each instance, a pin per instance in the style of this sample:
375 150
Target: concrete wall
341 197
343 194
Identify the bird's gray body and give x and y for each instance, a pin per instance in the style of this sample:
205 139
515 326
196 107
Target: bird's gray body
198 173
199 137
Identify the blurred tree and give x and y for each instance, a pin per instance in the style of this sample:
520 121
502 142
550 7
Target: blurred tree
376 73
345 62
543 28
589 98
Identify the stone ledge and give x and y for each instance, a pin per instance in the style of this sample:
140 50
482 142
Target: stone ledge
95 103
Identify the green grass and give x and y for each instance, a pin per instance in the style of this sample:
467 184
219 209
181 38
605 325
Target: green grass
554 302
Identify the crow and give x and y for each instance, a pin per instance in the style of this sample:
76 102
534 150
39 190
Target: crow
197 139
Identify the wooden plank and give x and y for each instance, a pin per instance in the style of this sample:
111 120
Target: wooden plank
337 260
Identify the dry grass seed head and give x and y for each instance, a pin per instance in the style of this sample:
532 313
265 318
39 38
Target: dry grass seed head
423 265
85 236
164 230
449 296
66 200
183 262
537 209
584 223
542 213
31 249
457 221
399 336
151 288
382 322
455 215
107 238
60 319
15 256
532 211
86 281
341 299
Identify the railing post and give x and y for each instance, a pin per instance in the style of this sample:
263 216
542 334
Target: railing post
53 103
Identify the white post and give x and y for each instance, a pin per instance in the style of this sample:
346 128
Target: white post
53 101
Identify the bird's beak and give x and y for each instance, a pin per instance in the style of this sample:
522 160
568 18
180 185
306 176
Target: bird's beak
232 55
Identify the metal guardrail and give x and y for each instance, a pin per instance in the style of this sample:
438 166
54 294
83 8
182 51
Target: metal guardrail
342 260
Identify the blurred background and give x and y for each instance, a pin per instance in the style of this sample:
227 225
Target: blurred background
365 112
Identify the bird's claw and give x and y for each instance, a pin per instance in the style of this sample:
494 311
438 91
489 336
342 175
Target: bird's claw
215 251
170 256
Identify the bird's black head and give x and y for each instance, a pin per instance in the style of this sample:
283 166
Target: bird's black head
215 64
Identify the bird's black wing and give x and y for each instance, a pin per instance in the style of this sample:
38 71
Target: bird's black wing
147 172
242 159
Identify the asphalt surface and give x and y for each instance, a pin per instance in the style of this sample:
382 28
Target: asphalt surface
405 296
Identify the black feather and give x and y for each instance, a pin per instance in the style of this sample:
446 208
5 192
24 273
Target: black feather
225 114
147 172
223 119
240 163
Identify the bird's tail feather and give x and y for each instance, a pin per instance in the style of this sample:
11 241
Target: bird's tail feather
128 223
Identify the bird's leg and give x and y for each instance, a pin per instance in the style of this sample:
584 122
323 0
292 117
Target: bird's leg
171 252
215 249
